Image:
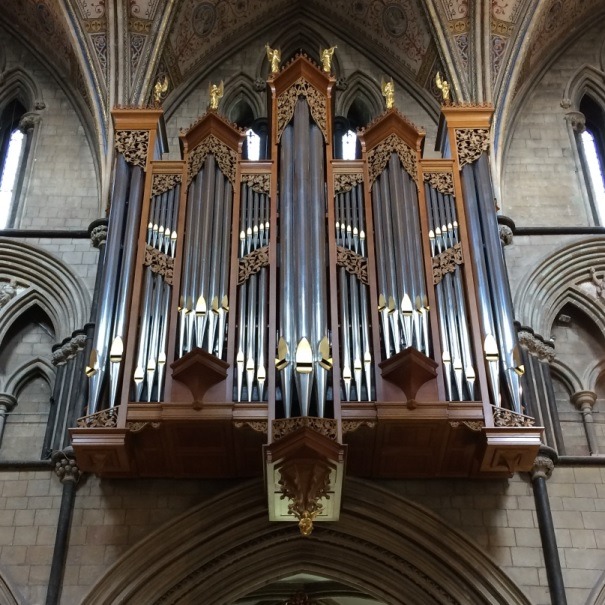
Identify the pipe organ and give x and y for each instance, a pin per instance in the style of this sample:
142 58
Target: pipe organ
303 312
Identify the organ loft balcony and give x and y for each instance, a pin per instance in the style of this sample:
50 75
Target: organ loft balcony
303 315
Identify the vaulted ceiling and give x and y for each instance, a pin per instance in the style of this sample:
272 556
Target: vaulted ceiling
110 52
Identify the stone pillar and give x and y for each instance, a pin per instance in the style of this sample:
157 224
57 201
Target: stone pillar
584 401
544 465
7 404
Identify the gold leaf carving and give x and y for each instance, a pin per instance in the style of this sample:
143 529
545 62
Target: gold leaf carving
252 263
137 427
164 182
348 426
159 263
226 158
504 417
473 425
133 145
442 181
324 426
353 263
346 182
260 426
379 157
287 101
100 420
471 143
260 183
446 262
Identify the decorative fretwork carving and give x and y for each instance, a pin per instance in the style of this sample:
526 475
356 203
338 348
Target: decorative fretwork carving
226 158
260 426
349 426
472 425
535 346
260 183
446 262
379 157
508 418
159 263
346 182
137 427
133 145
286 102
442 181
324 426
252 263
164 182
471 143
105 419
353 263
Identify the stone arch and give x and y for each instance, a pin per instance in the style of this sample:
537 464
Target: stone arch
555 281
360 86
238 89
51 284
17 84
36 367
225 548
564 374
587 80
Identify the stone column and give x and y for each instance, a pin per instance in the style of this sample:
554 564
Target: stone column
7 404
544 465
584 401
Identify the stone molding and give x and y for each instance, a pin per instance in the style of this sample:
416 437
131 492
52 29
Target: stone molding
66 467
577 121
7 403
68 350
542 468
584 400
536 346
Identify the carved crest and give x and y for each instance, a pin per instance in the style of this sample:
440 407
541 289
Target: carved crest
379 157
133 145
442 181
226 158
346 182
287 101
471 143
164 182
261 183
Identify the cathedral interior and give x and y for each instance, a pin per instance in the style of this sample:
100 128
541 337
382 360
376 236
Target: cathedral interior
302 302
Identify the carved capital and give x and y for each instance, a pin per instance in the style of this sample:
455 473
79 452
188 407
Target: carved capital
577 120
98 236
29 120
506 235
584 400
66 467
536 346
542 468
7 403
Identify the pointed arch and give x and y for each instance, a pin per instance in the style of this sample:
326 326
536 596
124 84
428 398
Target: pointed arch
55 287
240 89
554 282
17 84
587 80
363 88
225 548
34 368
566 376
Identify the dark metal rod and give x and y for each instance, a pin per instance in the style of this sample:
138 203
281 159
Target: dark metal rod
46 233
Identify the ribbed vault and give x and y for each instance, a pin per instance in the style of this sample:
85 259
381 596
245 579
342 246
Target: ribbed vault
383 546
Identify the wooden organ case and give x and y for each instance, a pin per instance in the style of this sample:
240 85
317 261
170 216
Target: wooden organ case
288 315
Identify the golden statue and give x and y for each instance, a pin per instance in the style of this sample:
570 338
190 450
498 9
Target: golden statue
388 92
274 56
326 58
444 87
159 90
215 94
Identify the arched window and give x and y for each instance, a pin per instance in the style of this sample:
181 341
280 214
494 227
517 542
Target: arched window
13 143
591 142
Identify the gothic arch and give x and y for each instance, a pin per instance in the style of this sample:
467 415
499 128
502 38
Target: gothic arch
554 282
225 548
55 287
36 367
17 84
360 86
238 89
587 80
566 376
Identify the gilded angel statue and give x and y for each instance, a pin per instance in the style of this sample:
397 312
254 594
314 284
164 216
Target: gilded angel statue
216 94
326 58
159 90
274 57
444 87
388 92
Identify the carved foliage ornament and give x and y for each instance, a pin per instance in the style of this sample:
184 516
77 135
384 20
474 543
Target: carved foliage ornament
133 145
442 181
159 263
252 263
259 426
137 427
164 182
353 263
261 183
536 347
446 262
346 182
379 157
286 102
226 158
69 350
471 143
349 426
101 420
504 417
324 426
